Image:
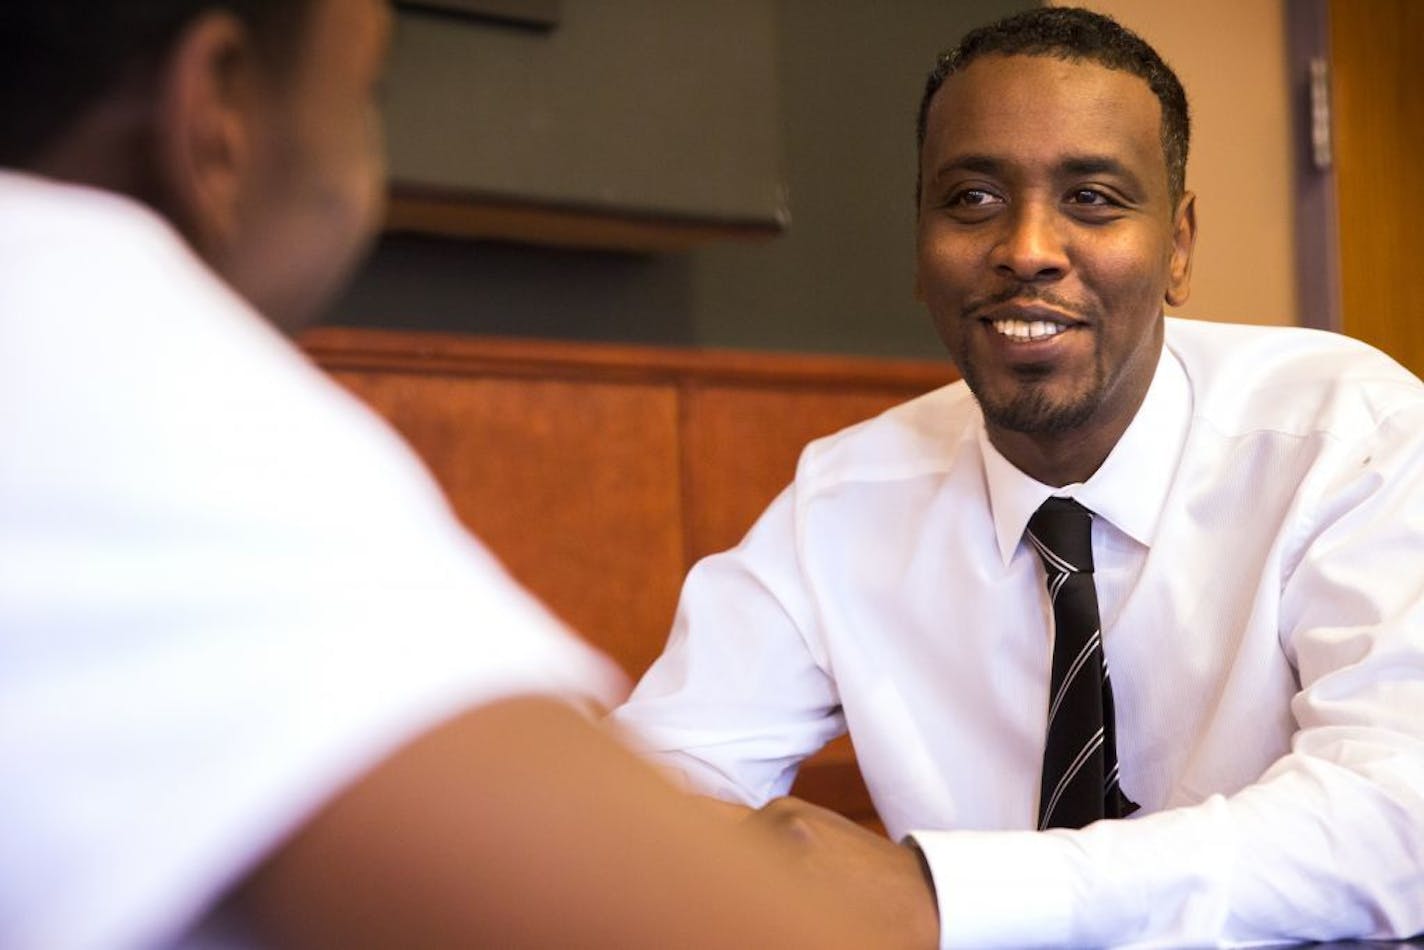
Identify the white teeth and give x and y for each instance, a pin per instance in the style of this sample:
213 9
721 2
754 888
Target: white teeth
1026 331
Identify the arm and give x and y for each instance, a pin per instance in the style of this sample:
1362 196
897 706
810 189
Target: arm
1325 844
739 697
519 824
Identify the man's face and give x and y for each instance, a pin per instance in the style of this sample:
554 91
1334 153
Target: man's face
1048 242
315 195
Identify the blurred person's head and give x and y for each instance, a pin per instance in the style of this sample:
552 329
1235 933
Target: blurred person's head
251 125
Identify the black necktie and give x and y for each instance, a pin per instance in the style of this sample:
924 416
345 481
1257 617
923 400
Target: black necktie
1079 783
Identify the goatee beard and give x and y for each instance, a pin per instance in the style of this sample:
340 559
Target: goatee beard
1030 410
1033 413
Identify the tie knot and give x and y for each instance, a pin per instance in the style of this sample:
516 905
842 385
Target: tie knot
1061 530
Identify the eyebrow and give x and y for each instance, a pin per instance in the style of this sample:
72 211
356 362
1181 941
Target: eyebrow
1074 165
982 164
1096 165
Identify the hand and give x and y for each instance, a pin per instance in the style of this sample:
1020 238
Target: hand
888 880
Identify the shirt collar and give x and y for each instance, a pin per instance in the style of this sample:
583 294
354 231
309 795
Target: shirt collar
1128 489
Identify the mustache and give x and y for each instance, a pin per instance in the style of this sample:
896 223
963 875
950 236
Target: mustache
1024 297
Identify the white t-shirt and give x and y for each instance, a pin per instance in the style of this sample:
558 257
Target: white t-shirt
226 588
1259 551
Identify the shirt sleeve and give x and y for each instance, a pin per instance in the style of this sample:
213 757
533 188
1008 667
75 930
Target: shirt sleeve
1329 842
739 697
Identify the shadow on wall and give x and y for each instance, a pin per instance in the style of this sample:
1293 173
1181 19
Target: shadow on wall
424 283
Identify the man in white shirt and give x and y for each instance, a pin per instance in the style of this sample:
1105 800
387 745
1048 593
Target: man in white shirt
1257 514
255 681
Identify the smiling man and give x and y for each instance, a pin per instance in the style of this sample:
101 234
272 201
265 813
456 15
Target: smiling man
1227 518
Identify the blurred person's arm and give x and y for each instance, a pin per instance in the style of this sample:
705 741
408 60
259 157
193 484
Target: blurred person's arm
521 824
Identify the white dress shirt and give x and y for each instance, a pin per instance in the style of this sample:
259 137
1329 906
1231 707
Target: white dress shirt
226 588
1259 543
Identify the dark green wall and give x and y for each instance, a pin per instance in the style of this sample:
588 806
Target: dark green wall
838 280
639 107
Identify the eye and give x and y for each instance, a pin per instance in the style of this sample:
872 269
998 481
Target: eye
972 198
1094 205
971 205
1090 197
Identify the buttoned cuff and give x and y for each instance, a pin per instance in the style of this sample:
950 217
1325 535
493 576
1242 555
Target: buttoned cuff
1005 888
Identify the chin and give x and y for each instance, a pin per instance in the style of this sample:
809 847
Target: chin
1032 412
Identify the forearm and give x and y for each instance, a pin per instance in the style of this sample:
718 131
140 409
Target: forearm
1314 851
520 824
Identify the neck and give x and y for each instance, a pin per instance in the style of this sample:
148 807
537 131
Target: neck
110 146
1073 455
1056 459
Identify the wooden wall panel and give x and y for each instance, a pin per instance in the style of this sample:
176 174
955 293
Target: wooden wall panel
572 484
599 473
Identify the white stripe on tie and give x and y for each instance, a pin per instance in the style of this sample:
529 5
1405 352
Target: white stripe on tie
1073 769
1049 555
1073 670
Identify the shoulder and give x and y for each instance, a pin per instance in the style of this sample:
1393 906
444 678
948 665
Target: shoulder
917 437
119 336
112 278
1290 380
46 224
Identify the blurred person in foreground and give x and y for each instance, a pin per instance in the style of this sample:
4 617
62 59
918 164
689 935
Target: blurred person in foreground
1229 518
255 682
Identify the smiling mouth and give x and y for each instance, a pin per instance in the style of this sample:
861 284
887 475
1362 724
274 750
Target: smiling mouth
1027 331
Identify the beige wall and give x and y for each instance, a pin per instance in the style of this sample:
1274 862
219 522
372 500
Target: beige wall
1231 56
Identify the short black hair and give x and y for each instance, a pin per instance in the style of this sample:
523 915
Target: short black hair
1076 35
58 57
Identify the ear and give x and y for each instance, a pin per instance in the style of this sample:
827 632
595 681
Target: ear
1184 240
204 130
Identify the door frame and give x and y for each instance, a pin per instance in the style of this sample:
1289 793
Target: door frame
1317 230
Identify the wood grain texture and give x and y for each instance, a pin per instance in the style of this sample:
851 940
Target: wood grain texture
1379 144
599 473
572 484
467 355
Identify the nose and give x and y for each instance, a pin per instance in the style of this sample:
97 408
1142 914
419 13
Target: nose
1031 247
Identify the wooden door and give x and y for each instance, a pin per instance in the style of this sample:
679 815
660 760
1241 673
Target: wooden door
1377 60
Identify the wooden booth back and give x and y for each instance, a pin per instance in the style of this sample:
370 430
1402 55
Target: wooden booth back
600 473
